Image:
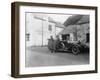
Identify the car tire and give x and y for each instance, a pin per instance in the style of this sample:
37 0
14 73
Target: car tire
75 50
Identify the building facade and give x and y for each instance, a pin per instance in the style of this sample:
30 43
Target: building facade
77 29
39 28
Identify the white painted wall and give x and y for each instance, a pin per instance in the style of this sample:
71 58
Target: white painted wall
39 30
34 27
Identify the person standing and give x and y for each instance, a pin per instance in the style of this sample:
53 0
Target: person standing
51 44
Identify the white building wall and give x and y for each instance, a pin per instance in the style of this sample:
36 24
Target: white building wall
34 27
39 30
47 33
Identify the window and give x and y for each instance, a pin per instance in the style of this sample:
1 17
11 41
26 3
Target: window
50 28
66 37
27 36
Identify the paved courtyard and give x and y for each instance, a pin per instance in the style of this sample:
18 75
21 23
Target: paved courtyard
41 56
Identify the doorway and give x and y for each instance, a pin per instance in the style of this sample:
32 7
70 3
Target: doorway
65 37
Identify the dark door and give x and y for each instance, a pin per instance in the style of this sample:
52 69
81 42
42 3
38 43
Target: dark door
87 37
65 37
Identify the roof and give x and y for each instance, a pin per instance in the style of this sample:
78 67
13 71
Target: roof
84 19
68 30
58 24
51 20
76 19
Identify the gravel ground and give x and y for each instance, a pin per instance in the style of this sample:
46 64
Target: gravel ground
41 56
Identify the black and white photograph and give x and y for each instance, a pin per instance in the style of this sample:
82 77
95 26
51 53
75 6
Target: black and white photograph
56 39
52 39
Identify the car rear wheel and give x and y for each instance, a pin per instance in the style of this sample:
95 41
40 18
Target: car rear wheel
75 50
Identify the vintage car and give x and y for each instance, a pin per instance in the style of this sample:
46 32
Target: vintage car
69 46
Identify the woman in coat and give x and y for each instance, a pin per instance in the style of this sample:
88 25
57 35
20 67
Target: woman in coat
51 44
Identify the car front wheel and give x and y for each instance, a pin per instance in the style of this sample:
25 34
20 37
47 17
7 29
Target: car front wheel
75 50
